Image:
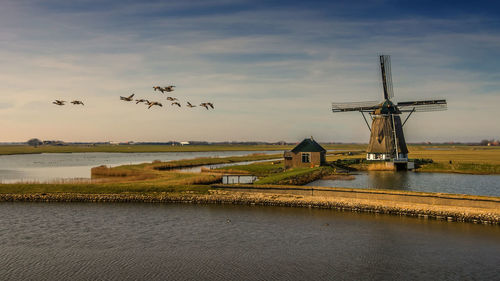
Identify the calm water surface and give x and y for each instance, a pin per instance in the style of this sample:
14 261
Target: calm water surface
429 182
54 166
78 241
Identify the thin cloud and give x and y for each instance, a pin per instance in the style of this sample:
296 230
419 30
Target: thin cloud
275 71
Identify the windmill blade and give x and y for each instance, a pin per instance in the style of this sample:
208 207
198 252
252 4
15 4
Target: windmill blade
423 105
355 106
385 66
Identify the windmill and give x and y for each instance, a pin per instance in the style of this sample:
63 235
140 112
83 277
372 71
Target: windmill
387 141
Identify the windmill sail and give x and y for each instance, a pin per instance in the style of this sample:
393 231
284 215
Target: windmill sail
355 106
423 105
385 66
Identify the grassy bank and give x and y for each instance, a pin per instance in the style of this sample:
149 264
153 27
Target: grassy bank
177 164
461 168
297 176
261 169
275 173
104 188
25 149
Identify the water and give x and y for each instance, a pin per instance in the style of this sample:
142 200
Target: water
54 166
90 241
488 185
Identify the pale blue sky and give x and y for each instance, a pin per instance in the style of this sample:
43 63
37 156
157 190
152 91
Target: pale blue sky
272 68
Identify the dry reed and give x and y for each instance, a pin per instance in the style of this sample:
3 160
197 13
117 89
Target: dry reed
338 177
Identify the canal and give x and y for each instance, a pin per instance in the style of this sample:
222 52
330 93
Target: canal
92 241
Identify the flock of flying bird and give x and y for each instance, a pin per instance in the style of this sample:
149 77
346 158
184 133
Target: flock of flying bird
150 104
62 102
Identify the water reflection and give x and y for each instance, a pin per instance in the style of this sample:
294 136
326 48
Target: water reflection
488 185
388 180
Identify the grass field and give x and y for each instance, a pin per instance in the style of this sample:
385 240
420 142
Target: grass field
459 159
458 154
464 159
25 149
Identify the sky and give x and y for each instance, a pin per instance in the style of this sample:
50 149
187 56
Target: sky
271 68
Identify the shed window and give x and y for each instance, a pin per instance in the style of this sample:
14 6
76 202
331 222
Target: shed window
306 157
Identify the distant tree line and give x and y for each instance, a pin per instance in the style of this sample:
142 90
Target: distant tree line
36 142
491 142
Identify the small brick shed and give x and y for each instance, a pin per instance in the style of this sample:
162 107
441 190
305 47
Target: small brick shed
308 153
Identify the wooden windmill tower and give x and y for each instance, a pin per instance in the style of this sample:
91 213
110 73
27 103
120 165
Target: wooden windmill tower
387 141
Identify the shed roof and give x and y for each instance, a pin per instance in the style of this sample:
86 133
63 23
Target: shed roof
308 145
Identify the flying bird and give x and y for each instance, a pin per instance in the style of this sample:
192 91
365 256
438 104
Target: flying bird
129 98
190 105
153 103
210 104
171 99
169 88
204 104
75 102
141 100
161 89
176 103
59 102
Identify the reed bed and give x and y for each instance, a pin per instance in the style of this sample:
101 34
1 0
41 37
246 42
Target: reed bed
224 171
344 177
187 163
201 180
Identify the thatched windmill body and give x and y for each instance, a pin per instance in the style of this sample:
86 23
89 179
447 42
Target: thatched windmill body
387 141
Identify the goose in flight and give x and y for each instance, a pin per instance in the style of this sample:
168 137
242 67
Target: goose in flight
59 102
152 103
129 98
190 105
158 88
171 99
204 104
176 103
75 102
169 88
210 104
141 100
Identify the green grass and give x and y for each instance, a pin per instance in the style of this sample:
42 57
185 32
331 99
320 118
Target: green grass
458 154
25 149
462 168
296 176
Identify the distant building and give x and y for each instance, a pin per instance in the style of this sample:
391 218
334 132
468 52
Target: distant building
493 143
308 153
